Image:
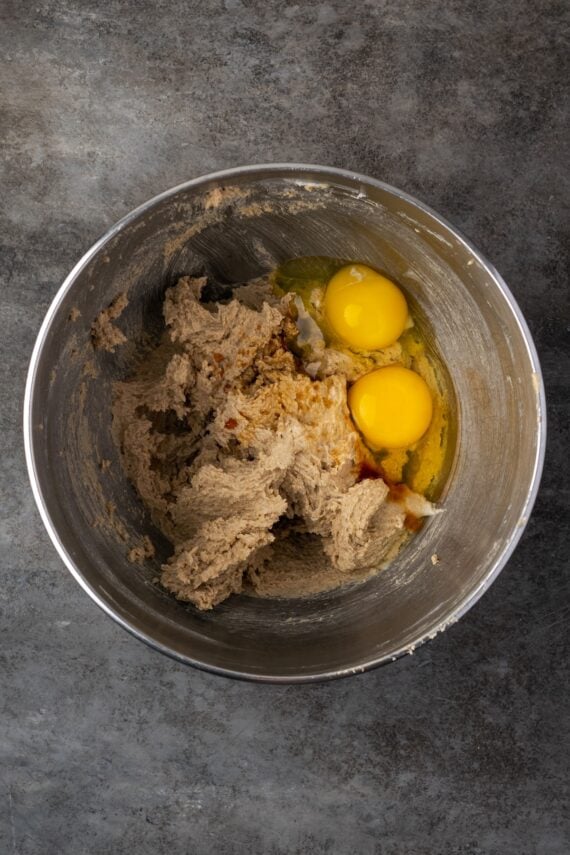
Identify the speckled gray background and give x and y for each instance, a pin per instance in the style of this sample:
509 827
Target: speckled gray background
106 746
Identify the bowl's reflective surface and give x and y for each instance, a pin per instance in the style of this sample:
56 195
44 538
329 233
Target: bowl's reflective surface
270 214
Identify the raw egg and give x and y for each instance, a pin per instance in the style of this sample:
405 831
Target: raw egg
365 309
392 407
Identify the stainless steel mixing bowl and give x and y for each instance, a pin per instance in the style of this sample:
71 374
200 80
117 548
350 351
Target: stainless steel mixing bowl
236 225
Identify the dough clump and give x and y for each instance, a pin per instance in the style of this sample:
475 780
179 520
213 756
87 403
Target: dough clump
249 465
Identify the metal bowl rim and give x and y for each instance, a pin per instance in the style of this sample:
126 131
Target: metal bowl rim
296 170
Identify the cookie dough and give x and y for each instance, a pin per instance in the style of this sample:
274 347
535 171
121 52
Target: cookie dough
249 464
105 335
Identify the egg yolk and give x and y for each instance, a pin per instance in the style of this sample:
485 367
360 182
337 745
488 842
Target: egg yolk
364 309
392 407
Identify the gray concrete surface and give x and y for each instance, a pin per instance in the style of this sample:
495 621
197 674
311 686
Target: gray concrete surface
106 746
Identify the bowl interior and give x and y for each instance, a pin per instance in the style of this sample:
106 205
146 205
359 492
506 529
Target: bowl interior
235 227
